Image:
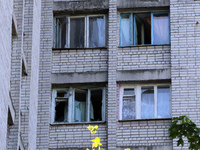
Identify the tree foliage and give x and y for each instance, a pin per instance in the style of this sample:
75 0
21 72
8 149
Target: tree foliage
182 127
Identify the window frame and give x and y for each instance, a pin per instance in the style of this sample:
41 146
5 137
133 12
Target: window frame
86 30
138 107
71 105
132 17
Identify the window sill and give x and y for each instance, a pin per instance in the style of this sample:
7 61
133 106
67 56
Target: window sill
152 119
79 48
143 45
77 123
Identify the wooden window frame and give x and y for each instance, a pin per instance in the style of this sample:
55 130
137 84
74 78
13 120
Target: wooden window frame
71 103
132 22
86 30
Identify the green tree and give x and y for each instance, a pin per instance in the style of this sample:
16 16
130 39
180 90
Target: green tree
182 127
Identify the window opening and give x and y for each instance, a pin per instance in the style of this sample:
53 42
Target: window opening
144 28
79 31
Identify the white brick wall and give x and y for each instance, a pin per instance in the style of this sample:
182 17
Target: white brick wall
6 9
75 136
143 57
79 60
185 58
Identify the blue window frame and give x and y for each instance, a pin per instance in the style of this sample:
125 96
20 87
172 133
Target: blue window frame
144 28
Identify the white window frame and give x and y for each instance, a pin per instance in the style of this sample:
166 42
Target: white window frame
137 89
86 32
71 103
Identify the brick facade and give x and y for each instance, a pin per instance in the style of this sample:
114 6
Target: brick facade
33 67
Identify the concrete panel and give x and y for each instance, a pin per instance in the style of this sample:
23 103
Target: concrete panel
142 3
139 75
86 77
80 5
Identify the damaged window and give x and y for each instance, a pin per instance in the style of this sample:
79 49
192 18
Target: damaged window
145 102
79 32
144 28
78 105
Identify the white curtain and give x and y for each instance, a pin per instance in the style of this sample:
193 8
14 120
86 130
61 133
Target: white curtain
125 31
161 29
80 111
147 103
163 102
96 32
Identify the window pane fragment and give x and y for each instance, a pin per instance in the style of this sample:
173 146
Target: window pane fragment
125 30
60 32
161 28
139 30
77 30
96 105
96 32
163 101
61 111
147 102
128 110
80 105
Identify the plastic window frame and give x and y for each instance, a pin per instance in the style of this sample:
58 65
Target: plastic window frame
138 108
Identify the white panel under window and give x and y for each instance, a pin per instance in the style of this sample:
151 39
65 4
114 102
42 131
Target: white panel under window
147 102
161 28
125 30
163 101
77 32
96 31
128 110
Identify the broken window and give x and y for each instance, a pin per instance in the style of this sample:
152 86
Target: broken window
79 31
144 28
78 105
145 102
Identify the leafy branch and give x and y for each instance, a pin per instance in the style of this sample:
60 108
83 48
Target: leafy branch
182 127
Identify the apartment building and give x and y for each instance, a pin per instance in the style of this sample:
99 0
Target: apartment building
126 66
19 76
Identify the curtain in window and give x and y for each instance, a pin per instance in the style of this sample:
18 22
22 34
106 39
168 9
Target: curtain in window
80 111
80 106
125 30
77 30
128 110
96 32
163 101
161 29
147 103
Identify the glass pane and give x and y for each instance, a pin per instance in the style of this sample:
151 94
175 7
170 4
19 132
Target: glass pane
61 111
128 109
96 32
96 105
147 102
161 28
77 30
60 32
80 105
125 30
164 102
129 92
138 31
62 94
142 28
